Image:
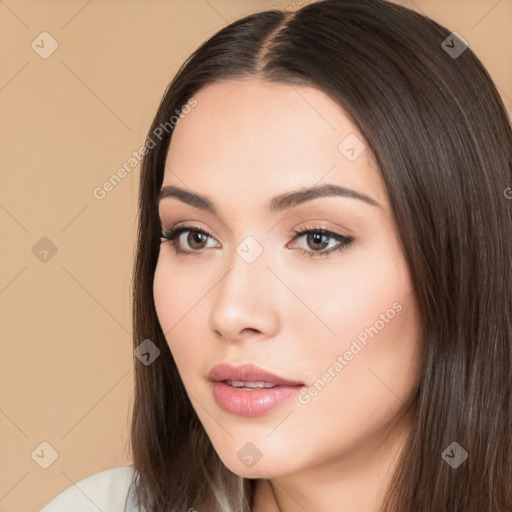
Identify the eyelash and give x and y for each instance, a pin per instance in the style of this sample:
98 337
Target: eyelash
172 237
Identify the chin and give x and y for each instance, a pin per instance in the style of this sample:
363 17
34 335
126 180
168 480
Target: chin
242 465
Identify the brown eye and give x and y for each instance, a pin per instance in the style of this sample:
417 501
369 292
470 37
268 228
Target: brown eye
317 241
187 239
196 240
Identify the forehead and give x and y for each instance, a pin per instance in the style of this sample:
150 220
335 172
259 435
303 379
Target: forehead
249 135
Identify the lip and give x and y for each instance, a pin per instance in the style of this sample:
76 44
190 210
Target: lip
248 373
250 402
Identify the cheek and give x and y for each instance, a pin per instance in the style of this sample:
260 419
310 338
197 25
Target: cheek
371 357
182 312
176 293
177 301
372 389
351 294
163 296
359 388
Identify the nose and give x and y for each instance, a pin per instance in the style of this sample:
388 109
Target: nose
246 301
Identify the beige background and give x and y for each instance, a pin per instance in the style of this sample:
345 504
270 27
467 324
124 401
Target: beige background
67 123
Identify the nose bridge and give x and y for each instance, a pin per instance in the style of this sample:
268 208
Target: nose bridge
244 298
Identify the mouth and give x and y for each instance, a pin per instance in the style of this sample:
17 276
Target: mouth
248 390
249 385
248 375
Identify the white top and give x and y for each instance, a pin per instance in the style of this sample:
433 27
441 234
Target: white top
111 490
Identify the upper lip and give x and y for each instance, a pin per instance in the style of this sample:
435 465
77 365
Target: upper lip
248 373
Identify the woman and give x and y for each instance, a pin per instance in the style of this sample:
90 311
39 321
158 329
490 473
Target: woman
323 276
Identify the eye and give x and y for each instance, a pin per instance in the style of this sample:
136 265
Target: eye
177 237
320 239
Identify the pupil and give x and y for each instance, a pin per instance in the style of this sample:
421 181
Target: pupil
317 238
196 238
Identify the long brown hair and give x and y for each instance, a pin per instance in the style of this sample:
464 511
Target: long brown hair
442 138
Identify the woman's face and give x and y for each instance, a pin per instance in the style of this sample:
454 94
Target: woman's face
333 313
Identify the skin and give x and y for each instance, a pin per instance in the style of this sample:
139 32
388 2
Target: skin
245 142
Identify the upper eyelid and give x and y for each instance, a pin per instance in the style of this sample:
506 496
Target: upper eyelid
187 227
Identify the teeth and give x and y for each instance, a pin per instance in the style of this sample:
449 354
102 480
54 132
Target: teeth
252 385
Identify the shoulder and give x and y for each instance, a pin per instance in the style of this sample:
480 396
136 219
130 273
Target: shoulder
110 490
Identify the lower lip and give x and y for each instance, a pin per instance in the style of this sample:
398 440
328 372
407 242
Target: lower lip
247 402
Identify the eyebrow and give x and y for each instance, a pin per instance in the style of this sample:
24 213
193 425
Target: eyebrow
276 204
